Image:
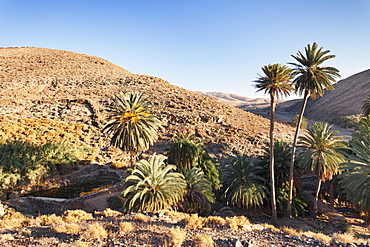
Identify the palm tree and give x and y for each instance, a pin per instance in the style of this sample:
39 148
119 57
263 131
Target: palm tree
199 195
244 184
311 80
355 179
322 155
153 186
362 130
187 151
366 106
132 126
276 82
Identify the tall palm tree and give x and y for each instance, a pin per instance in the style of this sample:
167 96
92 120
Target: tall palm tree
153 186
132 126
276 82
323 153
311 80
355 179
366 106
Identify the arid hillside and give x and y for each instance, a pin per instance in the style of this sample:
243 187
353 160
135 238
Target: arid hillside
38 83
346 99
236 100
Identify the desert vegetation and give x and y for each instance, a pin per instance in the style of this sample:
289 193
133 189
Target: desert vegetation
188 180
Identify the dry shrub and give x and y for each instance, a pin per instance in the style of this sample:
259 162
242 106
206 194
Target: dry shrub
193 221
290 231
141 217
237 221
203 240
68 228
269 226
118 164
45 220
126 227
94 231
345 238
215 221
78 243
74 216
177 236
13 219
175 215
108 213
319 236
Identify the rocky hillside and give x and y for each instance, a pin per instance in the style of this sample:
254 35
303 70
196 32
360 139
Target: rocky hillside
38 83
346 99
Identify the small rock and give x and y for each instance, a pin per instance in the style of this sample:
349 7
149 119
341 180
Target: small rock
238 244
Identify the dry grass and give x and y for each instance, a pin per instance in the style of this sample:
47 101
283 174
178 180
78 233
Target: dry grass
291 231
94 231
45 220
126 227
141 217
319 236
237 222
74 216
68 228
193 222
177 236
13 219
203 240
215 221
108 213
78 243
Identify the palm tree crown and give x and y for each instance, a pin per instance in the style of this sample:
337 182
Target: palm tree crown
276 80
366 106
356 176
311 77
134 129
153 186
323 151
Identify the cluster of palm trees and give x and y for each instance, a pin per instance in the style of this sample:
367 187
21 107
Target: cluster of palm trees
193 178
308 78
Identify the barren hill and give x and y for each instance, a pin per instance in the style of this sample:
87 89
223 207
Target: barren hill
39 83
346 99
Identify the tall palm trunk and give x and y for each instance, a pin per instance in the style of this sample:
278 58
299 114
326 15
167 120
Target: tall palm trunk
294 147
272 159
317 196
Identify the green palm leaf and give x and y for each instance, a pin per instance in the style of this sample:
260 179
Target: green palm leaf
153 186
132 127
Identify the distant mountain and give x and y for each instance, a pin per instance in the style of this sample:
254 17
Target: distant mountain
235 100
346 99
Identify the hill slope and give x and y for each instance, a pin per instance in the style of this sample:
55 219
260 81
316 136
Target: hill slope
346 99
71 87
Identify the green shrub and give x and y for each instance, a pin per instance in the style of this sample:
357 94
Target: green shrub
22 161
347 121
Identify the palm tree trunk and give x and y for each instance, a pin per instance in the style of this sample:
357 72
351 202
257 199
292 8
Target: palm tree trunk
317 196
294 147
272 159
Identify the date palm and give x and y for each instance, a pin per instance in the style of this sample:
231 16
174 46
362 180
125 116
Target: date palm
244 184
275 81
355 179
322 155
132 126
366 106
311 79
153 186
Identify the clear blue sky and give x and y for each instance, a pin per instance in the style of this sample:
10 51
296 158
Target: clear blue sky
195 44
